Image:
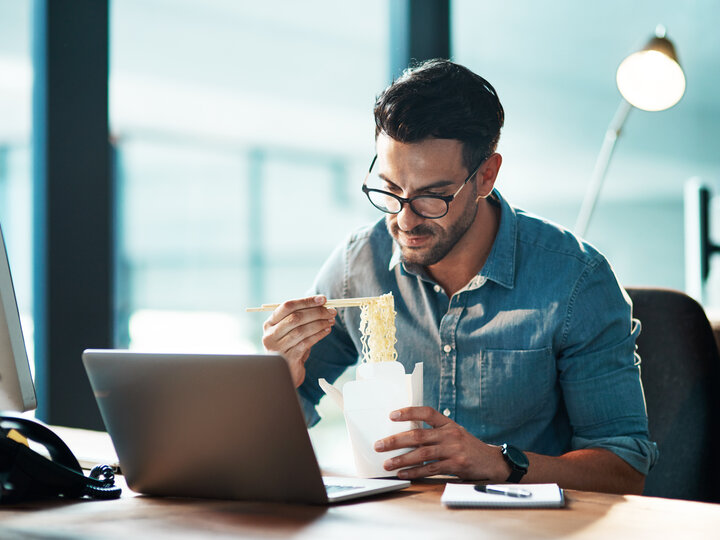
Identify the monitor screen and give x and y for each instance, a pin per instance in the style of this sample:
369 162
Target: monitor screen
17 391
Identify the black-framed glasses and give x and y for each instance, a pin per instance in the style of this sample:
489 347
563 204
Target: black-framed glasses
425 206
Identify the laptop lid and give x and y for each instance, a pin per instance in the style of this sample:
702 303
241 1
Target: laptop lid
219 426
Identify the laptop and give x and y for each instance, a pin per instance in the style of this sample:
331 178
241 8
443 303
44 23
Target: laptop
215 426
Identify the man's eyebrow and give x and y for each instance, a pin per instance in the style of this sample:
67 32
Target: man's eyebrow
434 185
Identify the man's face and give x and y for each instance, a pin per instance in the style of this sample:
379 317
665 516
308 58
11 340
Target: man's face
429 167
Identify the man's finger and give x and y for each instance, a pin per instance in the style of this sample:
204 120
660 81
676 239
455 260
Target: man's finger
420 414
301 349
294 326
291 306
430 469
408 439
415 457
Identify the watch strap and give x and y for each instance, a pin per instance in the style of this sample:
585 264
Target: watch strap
517 470
516 475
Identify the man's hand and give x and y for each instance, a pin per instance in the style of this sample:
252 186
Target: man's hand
448 447
294 327
452 450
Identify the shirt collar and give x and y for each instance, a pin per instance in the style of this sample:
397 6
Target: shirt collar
500 265
396 257
405 268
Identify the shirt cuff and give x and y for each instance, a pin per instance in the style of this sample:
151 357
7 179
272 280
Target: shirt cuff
311 415
639 453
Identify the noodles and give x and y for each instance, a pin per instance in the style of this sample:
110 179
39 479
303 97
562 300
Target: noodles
377 329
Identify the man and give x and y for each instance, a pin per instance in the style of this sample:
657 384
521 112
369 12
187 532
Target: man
526 337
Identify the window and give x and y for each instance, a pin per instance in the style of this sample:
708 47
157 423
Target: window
15 152
241 132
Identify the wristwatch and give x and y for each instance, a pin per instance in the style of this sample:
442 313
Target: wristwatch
517 460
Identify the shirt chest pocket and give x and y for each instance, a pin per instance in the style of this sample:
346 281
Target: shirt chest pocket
515 384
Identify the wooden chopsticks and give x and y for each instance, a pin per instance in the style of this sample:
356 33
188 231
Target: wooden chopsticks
335 303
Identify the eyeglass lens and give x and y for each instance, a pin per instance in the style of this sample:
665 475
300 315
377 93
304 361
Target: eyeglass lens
425 206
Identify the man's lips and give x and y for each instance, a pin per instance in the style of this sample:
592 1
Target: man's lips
414 240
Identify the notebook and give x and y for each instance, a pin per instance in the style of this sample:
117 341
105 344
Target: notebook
217 426
532 496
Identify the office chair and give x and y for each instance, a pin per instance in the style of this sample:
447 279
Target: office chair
681 377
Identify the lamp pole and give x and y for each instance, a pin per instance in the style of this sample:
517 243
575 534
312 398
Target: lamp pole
601 167
650 79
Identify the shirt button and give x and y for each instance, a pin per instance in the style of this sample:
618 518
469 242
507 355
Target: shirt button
447 348
446 412
437 288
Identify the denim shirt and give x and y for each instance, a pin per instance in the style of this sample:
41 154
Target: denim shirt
537 350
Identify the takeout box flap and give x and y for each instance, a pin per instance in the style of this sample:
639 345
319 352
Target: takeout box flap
335 394
368 377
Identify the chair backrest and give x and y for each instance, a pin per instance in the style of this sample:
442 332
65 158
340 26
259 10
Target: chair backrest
681 377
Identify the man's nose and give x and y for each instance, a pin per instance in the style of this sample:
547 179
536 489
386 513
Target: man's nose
407 219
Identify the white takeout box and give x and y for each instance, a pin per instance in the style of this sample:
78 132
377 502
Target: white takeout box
379 389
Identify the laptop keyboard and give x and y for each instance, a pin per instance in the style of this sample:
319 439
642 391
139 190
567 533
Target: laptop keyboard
332 490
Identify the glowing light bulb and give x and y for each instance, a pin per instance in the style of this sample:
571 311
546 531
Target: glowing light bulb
651 80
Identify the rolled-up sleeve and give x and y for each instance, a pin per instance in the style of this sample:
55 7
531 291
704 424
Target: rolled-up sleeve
599 370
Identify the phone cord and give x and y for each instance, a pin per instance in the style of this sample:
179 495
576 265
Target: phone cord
102 484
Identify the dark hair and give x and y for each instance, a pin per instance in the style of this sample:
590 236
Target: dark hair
443 100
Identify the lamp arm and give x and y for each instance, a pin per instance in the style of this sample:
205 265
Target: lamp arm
601 166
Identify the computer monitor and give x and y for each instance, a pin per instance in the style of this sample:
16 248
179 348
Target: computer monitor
17 390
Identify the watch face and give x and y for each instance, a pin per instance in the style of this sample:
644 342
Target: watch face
517 457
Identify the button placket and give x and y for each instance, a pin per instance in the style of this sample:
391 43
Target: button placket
448 329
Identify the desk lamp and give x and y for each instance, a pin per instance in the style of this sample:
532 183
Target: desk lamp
650 79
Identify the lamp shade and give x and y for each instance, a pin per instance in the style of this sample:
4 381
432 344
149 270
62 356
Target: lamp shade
652 79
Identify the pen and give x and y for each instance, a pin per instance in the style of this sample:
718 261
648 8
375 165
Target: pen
508 491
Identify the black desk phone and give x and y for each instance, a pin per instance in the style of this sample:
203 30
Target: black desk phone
27 475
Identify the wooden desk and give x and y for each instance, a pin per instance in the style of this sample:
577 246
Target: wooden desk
413 514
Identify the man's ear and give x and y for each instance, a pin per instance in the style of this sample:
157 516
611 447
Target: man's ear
487 175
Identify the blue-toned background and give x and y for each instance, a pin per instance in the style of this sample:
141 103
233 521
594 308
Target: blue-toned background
242 131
